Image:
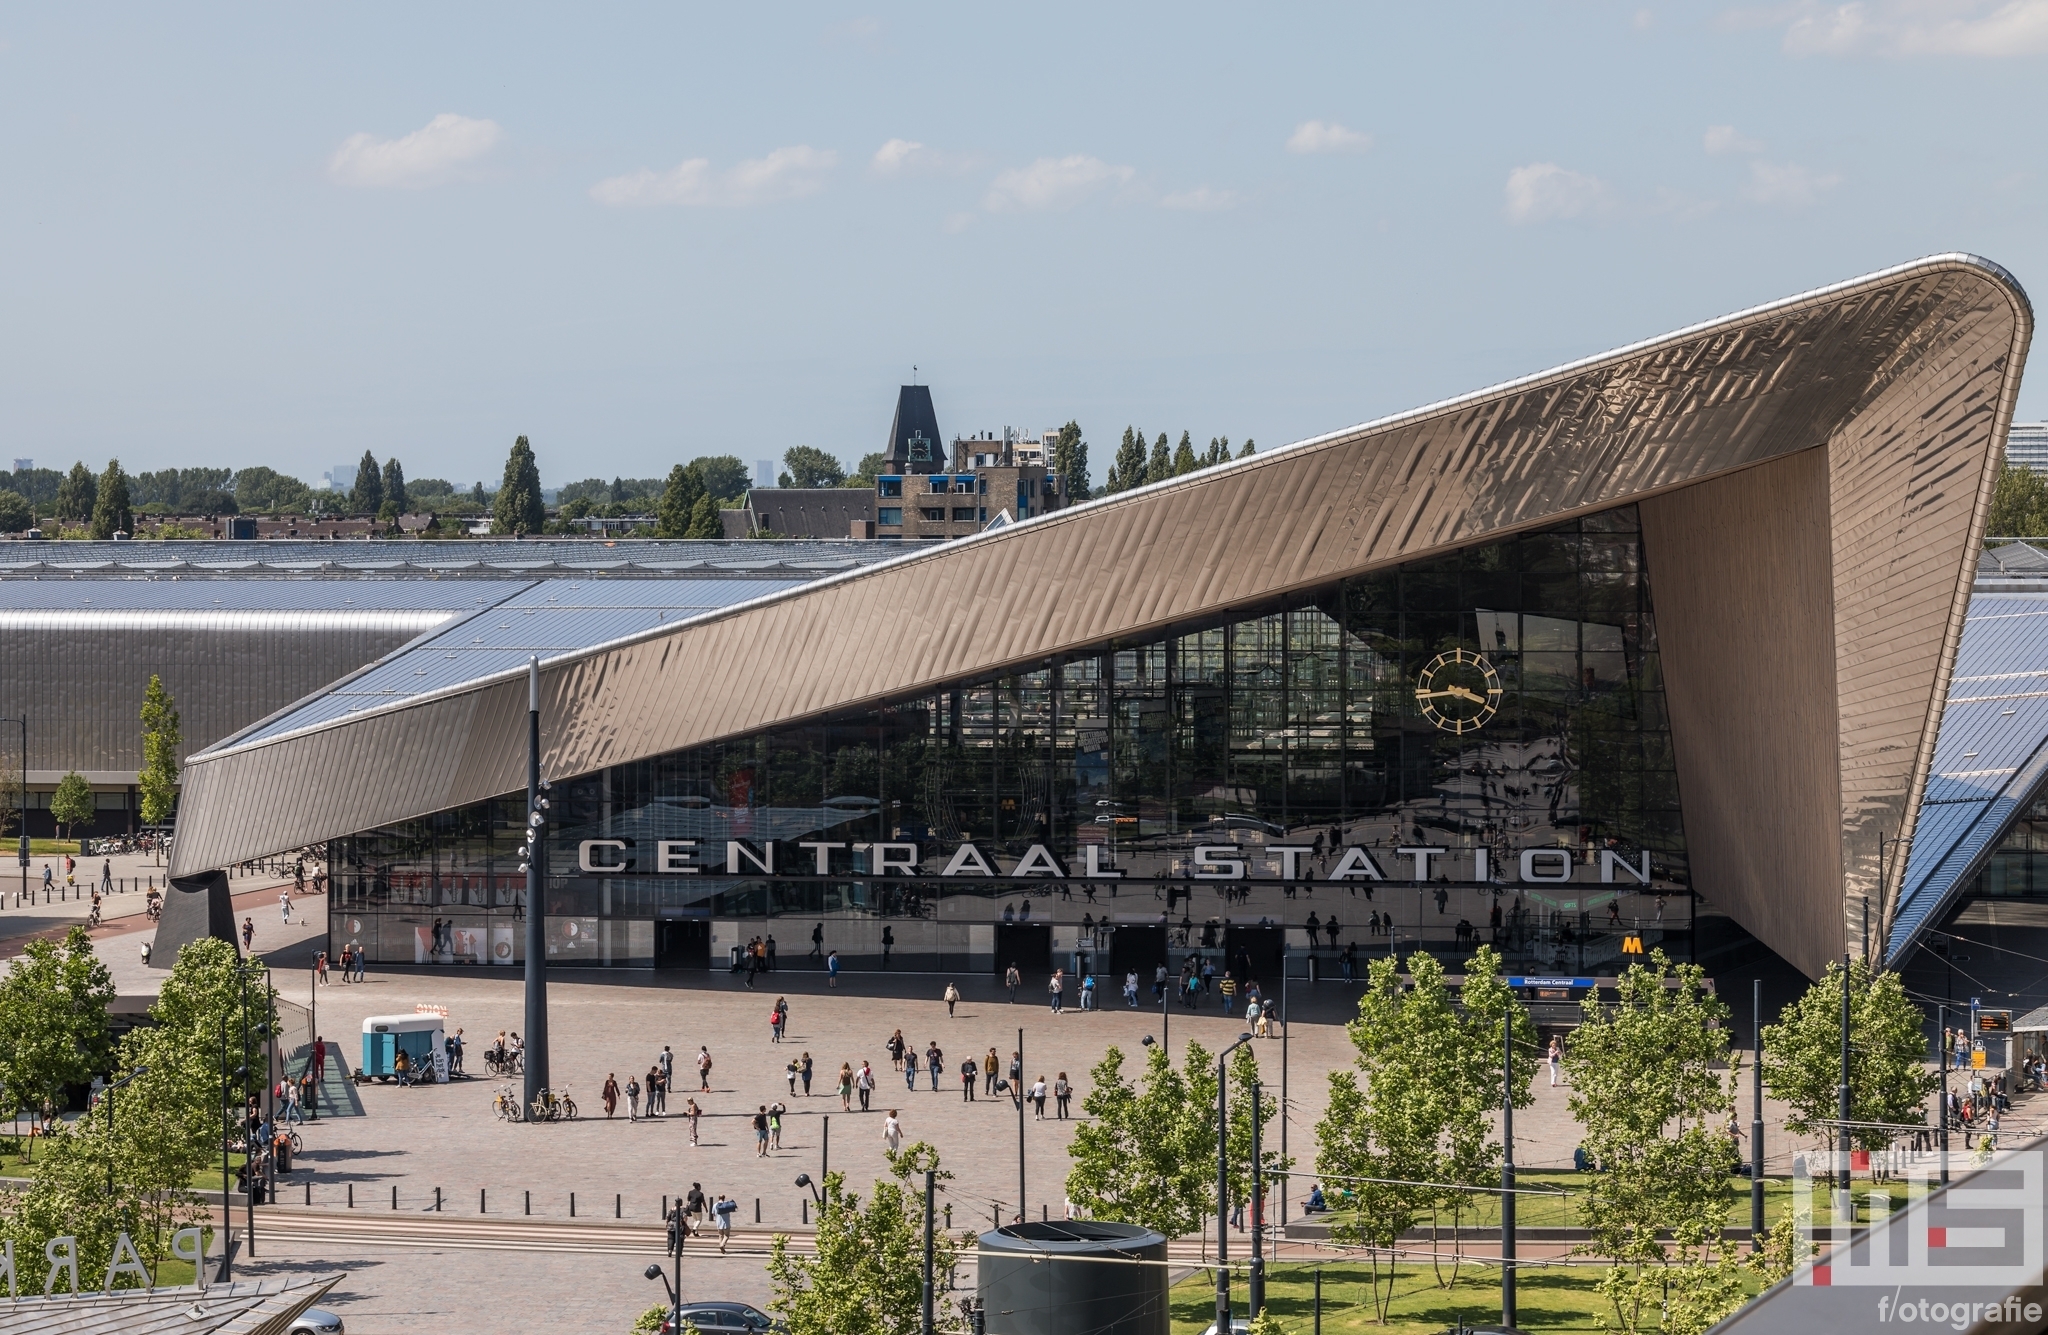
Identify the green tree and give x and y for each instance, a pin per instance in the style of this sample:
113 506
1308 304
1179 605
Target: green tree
161 738
15 512
77 495
704 520
53 1021
871 466
2019 504
1248 451
866 1276
266 491
724 476
72 803
1070 461
200 1006
1184 456
1218 451
518 508
1889 1079
1127 470
394 488
1160 467
809 466
111 512
1651 1102
678 502
367 497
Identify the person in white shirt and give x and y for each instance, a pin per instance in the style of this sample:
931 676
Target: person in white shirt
892 1132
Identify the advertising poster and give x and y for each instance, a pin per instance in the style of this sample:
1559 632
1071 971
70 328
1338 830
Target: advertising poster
501 945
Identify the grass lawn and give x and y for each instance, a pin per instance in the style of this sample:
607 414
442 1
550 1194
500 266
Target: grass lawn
52 848
207 1179
1556 1298
1563 1211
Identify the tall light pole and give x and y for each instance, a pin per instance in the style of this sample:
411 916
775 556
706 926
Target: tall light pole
1223 1187
1507 1169
1845 1208
1756 1117
24 853
534 864
1256 1280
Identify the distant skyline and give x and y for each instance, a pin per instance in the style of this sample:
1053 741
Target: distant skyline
637 235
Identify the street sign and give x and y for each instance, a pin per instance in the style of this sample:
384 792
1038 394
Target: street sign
24 851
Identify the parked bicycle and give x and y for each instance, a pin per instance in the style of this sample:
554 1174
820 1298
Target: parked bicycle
506 1104
554 1105
498 1061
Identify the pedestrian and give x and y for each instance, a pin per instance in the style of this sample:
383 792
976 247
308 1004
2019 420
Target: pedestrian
632 1099
775 1111
703 1070
832 969
952 999
320 968
667 1062
284 901
780 1018
1056 987
1010 980
1251 1014
805 1073
291 1103
611 1094
896 1047
1228 989
845 1087
1017 1077
790 1071
1062 1094
655 1102
693 1112
248 933
775 1022
892 1132
934 1062
910 1067
1555 1057
360 961
693 1204
817 942
967 1073
989 1066
1038 1092
1088 993
1131 988
761 1133
455 1047
769 948
725 1210
865 1083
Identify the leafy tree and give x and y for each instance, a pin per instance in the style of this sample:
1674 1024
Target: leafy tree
266 491
68 1195
518 508
1248 449
867 1274
1184 456
479 499
53 1020
77 496
15 512
394 488
725 477
871 468
111 512
1070 461
1128 468
1889 1080
679 502
161 738
704 520
1160 467
808 466
1647 1093
367 497
2019 505
72 803
200 1005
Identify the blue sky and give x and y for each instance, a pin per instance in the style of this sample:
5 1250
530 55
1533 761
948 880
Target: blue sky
279 236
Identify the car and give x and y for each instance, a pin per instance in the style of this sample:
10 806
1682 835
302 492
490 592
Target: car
723 1319
315 1321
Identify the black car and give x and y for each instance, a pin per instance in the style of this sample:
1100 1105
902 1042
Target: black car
722 1319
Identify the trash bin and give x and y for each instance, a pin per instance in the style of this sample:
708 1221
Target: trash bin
1315 969
735 959
284 1155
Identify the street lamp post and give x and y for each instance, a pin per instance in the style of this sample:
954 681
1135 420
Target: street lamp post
1255 1282
534 865
1223 1187
24 853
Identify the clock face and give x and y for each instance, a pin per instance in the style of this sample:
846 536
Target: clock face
1459 691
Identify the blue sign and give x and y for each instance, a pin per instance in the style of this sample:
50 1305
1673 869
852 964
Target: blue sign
1551 982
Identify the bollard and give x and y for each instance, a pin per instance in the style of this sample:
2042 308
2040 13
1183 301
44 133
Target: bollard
437 1200
757 1209
807 1209
664 1207
529 1202
309 1193
351 1195
480 1201
572 1205
618 1205
394 1195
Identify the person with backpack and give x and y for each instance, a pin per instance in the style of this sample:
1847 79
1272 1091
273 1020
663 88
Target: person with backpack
952 999
726 1208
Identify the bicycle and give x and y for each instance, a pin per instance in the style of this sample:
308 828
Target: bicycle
496 1063
554 1105
506 1104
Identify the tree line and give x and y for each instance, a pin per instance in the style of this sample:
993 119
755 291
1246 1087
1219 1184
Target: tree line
1136 465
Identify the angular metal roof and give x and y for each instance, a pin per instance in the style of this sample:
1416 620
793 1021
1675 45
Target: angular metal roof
1989 760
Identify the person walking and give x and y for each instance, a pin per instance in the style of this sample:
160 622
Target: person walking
952 999
804 1072
775 1112
1131 988
1057 987
761 1133
845 1087
1088 992
989 1067
1227 989
694 1204
910 1067
632 1099
892 1132
934 1063
897 1047
703 1070
320 968
725 1210
360 960
1555 1057
693 1112
656 1104
1062 1094
610 1096
284 901
1010 980
832 969
248 934
865 1083
1038 1093
967 1073
817 943
790 1071
667 1062
778 1019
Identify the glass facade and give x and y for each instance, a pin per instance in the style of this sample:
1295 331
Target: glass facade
1468 748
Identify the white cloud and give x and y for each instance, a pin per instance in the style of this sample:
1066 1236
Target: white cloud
786 173
1201 199
1904 28
1544 190
427 156
897 154
1787 184
1327 137
1723 139
1052 183
901 157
